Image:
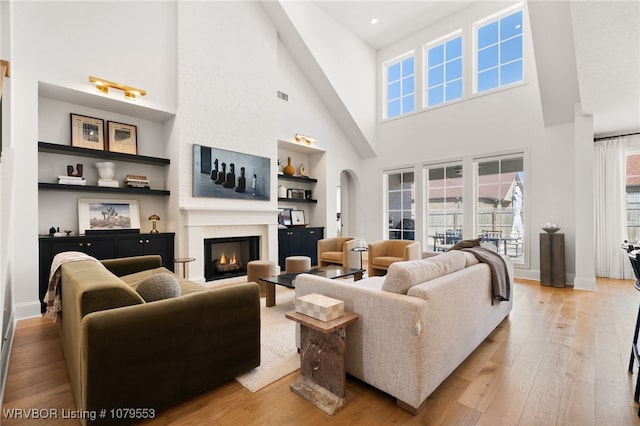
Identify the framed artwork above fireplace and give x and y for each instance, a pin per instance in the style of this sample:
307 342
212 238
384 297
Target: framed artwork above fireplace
220 173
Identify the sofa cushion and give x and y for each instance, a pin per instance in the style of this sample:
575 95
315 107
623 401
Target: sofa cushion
470 259
332 256
385 261
158 287
401 276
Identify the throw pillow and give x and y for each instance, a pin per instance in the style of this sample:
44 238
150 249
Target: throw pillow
158 287
401 276
466 244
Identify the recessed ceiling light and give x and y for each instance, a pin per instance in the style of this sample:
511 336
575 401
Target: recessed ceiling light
374 21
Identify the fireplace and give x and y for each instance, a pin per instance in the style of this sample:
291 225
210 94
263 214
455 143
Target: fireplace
228 257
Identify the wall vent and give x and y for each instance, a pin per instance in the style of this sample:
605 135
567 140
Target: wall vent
283 96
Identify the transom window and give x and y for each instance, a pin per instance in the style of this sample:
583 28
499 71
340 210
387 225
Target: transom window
499 58
400 86
443 74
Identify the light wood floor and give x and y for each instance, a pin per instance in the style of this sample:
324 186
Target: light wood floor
561 358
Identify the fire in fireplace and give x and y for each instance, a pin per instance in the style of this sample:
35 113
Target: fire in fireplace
228 257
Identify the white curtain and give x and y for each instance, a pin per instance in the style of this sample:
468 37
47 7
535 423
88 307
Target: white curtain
611 215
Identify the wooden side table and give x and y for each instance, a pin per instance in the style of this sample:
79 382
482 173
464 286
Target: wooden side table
322 378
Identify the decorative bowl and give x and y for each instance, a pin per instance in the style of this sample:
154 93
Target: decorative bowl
550 230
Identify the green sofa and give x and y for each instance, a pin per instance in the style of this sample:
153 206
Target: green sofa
123 353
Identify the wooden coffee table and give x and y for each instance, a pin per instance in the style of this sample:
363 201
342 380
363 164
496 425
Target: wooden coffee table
288 280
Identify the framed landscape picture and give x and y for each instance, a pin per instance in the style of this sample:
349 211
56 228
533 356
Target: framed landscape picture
97 215
87 132
122 138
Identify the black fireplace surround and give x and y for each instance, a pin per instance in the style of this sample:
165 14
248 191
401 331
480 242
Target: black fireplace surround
228 257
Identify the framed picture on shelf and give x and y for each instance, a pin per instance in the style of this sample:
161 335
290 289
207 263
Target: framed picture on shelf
99 215
297 217
284 217
87 132
122 138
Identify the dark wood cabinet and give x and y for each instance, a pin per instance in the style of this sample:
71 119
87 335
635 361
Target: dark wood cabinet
299 242
107 246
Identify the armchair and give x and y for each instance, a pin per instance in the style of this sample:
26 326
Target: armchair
338 251
384 253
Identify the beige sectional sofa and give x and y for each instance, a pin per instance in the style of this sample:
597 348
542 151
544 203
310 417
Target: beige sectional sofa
414 329
124 353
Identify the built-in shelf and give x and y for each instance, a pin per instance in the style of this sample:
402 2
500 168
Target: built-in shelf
55 148
296 200
297 178
303 148
87 96
93 188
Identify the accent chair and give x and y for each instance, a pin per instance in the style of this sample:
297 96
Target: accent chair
338 251
385 252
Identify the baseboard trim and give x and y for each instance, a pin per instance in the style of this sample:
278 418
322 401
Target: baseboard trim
27 310
5 356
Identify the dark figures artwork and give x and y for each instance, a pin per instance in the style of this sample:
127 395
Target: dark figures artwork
215 175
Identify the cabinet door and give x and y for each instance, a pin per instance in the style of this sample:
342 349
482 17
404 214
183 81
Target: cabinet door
309 243
100 248
143 244
130 246
287 242
161 244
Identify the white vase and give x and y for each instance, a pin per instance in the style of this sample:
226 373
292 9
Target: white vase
106 170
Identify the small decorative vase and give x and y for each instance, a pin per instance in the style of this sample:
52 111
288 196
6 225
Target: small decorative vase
302 171
106 170
289 170
282 191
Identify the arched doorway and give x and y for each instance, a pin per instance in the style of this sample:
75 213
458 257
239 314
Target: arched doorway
346 203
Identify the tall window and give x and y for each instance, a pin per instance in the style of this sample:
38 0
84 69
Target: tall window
443 61
400 205
499 59
443 186
633 195
399 86
500 196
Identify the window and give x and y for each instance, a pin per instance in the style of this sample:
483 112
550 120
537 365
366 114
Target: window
400 205
633 195
499 52
399 86
443 185
443 74
500 193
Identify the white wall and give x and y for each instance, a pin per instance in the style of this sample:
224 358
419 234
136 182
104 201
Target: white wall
306 114
6 185
502 122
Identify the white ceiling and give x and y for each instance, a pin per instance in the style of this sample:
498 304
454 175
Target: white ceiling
396 19
606 36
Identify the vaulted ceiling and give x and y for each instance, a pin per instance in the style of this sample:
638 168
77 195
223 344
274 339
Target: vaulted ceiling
586 51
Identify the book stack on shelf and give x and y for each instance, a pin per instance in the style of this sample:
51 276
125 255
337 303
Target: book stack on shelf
71 180
137 181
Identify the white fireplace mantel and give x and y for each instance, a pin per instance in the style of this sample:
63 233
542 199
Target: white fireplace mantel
201 223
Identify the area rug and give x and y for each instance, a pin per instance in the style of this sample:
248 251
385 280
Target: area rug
278 353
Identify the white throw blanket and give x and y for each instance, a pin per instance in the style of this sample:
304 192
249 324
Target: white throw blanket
52 297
